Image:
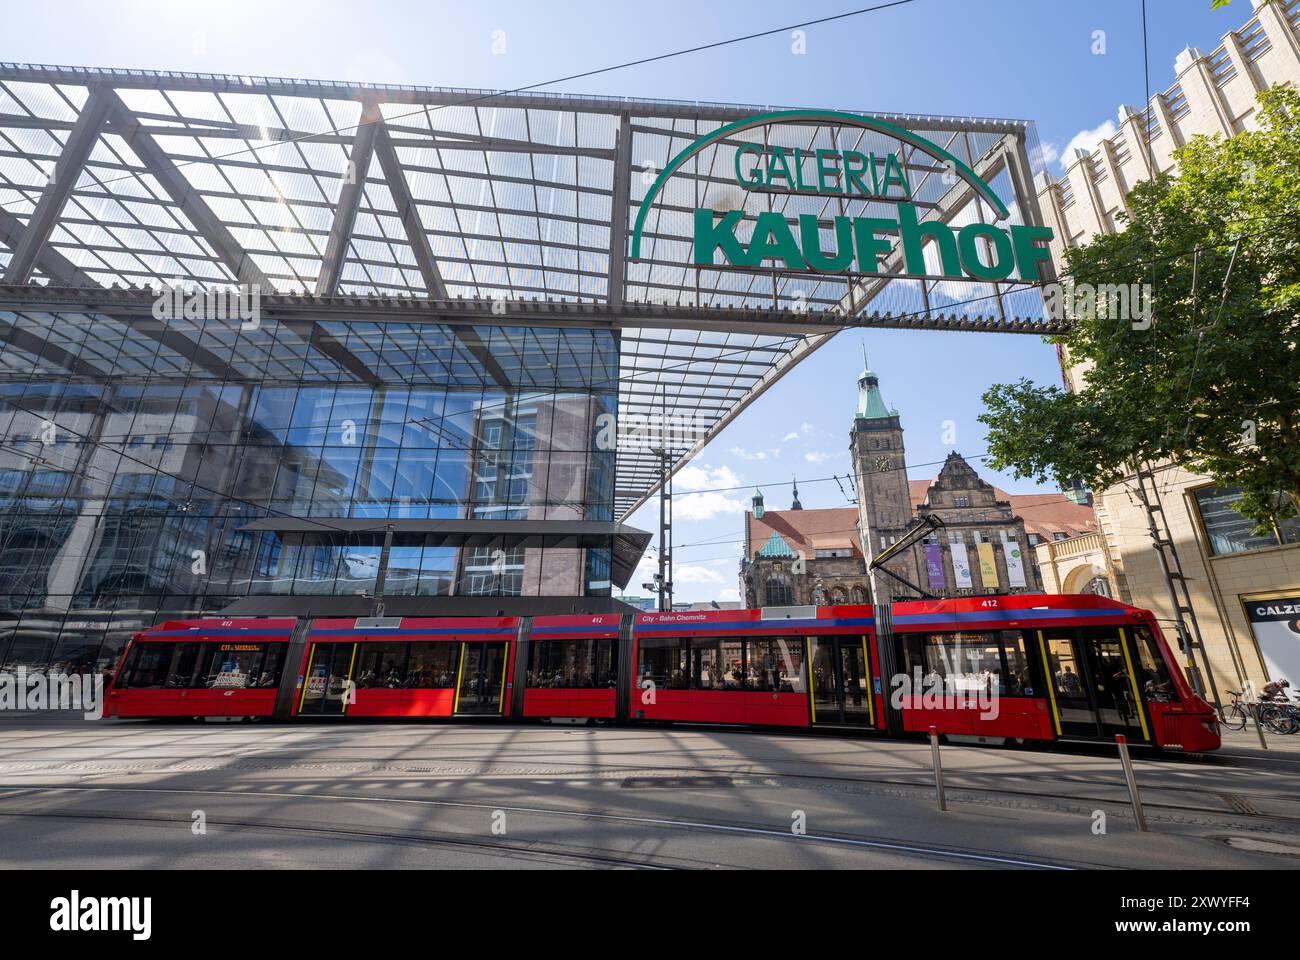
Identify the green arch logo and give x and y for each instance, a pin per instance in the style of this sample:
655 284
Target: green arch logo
822 117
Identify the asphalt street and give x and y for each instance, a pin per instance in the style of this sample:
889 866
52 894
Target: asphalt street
248 796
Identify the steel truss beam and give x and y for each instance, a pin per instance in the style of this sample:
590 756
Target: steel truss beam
716 379
345 211
67 171
542 313
451 97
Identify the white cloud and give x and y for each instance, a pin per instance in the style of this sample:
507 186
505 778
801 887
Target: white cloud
732 594
1043 156
807 427
705 478
697 575
1087 140
790 436
706 506
771 453
816 456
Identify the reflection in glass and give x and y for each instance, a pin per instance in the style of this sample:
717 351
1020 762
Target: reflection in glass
138 509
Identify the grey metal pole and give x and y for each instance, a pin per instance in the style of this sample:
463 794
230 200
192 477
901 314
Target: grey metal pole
938 767
1259 728
1133 794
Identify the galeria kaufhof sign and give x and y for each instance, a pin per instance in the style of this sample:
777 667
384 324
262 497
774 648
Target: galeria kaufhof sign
978 251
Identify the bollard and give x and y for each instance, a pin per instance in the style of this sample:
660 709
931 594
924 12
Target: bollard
1133 794
938 767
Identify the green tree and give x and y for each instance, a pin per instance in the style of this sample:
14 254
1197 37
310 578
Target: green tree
1212 382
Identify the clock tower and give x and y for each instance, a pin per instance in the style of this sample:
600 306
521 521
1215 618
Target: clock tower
884 499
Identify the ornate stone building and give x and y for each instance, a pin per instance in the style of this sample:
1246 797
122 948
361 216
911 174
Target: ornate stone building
985 545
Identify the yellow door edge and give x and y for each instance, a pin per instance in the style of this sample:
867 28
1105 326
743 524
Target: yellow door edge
501 696
460 672
348 688
1051 689
807 659
306 682
871 688
1132 679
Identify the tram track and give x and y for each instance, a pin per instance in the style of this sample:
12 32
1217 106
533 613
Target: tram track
963 856
533 849
1241 804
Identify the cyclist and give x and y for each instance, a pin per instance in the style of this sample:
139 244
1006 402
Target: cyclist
1274 690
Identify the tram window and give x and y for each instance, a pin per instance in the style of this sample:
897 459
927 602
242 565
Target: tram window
994 661
181 673
146 666
663 661
432 666
234 665
1015 678
579 664
774 664
272 663
717 663
381 666
1153 675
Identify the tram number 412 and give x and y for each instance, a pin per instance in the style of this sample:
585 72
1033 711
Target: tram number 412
988 603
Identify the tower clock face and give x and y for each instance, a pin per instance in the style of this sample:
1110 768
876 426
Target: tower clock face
884 464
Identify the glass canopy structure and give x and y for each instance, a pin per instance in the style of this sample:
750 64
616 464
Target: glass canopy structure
443 260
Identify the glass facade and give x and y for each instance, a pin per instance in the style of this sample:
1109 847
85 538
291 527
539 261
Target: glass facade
1229 531
134 452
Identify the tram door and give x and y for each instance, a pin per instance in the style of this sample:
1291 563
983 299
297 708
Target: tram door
840 682
329 675
1091 675
480 688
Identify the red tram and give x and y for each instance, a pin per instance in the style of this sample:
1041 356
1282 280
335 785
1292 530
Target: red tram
985 669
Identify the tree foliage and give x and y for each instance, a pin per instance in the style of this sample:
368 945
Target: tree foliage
1213 381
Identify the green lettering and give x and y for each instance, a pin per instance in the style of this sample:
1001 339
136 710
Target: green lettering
1028 253
823 172
870 246
775 155
1004 260
894 174
709 236
914 234
811 236
798 171
851 176
774 241
755 178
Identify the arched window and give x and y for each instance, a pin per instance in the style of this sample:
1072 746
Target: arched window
838 595
860 594
778 592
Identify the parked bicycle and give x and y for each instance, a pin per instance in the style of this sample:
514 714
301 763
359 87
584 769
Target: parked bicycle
1273 711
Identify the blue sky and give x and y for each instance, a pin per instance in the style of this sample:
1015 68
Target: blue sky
1026 59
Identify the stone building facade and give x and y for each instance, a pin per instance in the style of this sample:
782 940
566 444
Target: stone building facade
1231 574
985 545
